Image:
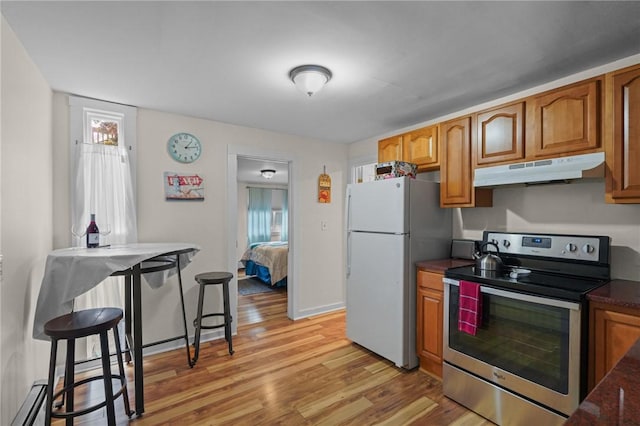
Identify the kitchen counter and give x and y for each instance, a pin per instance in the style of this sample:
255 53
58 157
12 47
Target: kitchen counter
622 293
441 265
616 399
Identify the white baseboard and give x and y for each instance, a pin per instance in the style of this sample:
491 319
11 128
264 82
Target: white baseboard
319 310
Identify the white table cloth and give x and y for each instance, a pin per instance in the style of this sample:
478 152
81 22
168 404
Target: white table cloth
73 271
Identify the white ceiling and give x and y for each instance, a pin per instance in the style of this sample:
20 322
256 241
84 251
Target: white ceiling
249 171
395 64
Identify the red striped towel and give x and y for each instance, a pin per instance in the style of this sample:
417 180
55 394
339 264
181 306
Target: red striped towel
469 307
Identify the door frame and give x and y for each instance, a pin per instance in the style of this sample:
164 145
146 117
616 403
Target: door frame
233 152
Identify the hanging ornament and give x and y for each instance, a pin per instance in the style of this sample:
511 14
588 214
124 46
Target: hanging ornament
324 187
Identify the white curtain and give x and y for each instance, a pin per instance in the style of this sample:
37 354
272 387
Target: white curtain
103 185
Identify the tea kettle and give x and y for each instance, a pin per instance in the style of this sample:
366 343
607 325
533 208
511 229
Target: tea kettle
487 261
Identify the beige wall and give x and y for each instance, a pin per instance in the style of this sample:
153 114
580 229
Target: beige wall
25 218
577 208
318 284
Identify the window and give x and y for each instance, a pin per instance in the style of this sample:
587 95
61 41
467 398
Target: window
102 183
102 128
276 224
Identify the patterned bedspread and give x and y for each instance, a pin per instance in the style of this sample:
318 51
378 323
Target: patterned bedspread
272 255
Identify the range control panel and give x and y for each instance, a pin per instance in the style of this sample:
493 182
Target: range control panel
574 247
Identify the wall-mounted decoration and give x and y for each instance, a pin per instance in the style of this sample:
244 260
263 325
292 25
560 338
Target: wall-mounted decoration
183 187
324 187
184 147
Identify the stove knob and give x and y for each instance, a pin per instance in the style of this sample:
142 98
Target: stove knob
506 243
588 248
571 247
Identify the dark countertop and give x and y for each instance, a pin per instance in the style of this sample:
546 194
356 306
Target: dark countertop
616 399
622 293
441 265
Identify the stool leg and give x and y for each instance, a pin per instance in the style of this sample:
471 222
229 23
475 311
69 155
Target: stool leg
52 369
123 380
69 374
106 371
198 324
227 315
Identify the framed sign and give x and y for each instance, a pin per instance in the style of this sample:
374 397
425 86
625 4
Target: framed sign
183 187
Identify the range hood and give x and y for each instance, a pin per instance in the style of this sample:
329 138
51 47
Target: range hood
542 171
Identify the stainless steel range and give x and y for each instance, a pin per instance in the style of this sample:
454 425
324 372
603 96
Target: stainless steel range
527 361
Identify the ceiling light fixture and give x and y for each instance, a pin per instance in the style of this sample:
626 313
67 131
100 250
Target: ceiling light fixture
267 173
310 78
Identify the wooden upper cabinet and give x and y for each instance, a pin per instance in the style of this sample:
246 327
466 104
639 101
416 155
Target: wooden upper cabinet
456 175
500 135
565 121
623 135
390 149
420 147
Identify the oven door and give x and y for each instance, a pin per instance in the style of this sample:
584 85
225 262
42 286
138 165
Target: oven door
526 344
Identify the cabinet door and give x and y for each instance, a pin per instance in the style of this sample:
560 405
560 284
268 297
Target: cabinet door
421 148
429 339
500 135
455 170
390 149
429 321
456 175
614 333
624 180
565 121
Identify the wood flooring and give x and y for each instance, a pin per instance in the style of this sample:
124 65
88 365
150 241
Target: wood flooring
285 372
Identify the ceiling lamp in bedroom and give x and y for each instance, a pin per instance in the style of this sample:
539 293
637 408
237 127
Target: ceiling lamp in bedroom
310 78
267 173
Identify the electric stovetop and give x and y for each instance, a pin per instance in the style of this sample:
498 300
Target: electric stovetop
522 280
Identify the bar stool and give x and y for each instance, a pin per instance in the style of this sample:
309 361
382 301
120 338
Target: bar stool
213 278
73 326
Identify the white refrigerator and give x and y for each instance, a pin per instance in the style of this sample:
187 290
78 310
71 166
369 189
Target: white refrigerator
391 224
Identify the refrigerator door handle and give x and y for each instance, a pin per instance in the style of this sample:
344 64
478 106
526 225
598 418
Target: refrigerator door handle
348 253
348 234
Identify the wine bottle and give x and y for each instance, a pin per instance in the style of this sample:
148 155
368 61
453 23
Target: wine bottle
93 233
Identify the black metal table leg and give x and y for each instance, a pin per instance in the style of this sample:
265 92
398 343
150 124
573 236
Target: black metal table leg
127 317
137 339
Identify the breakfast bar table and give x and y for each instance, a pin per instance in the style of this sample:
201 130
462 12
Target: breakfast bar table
73 271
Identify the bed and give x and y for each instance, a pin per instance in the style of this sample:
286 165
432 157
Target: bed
268 262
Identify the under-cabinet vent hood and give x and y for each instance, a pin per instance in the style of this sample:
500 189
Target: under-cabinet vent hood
540 171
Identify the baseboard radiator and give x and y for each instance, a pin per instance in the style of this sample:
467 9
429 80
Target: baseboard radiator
28 412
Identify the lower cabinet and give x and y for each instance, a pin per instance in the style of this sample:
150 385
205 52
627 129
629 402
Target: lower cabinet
429 322
614 329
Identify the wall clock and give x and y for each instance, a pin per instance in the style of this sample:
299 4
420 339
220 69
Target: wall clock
184 147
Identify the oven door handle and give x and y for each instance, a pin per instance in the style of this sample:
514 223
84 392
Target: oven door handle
519 296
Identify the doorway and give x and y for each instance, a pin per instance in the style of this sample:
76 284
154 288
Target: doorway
243 170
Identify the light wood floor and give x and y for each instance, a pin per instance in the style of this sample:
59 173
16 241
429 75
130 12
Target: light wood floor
287 373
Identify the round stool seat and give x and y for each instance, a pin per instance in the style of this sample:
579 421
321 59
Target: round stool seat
83 323
213 277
